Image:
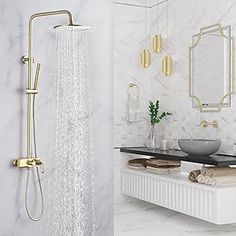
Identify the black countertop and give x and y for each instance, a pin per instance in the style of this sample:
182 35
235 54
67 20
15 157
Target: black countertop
215 159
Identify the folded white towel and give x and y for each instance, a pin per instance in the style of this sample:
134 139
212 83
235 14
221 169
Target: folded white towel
218 171
207 180
217 176
204 171
201 179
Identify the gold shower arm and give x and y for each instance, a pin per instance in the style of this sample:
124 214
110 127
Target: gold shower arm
43 14
52 13
29 60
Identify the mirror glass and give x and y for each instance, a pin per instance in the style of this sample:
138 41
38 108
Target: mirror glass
211 71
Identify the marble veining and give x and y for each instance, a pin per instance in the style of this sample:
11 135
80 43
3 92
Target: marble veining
137 218
186 17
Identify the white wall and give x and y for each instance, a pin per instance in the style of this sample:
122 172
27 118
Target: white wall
14 17
186 17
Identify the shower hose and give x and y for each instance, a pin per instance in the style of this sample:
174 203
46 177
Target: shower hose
37 170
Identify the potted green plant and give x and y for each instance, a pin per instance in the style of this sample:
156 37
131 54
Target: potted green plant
155 118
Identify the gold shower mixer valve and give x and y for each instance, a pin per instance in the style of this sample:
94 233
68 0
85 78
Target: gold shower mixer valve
27 162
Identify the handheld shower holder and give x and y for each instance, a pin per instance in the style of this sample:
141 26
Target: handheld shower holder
25 59
31 91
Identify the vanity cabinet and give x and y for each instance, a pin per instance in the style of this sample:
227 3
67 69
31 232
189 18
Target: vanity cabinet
176 192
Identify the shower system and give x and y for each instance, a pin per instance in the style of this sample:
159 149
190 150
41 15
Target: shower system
33 161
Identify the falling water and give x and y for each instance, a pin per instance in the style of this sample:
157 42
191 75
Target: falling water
70 209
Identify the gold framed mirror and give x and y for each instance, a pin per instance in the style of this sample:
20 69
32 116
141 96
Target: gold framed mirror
212 68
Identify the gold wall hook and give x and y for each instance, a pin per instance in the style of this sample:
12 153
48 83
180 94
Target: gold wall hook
167 66
157 43
146 58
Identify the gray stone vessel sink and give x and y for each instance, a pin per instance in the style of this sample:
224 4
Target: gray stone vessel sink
199 147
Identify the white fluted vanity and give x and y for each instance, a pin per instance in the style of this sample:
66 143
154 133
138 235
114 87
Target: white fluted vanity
176 192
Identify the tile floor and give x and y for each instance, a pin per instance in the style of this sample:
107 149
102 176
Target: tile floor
138 218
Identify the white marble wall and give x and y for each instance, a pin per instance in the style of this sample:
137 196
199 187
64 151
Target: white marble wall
186 17
14 17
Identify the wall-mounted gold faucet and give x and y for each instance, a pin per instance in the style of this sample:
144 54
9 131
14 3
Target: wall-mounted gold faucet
205 124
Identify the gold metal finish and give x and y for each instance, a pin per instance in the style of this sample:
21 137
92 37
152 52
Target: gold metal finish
210 28
25 59
205 124
131 85
27 162
29 59
167 66
157 43
146 58
31 91
32 159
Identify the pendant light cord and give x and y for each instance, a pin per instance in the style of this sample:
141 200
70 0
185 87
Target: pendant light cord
145 36
157 16
167 21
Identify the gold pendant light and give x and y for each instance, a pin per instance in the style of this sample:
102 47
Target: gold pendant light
146 58
167 62
145 54
167 65
157 42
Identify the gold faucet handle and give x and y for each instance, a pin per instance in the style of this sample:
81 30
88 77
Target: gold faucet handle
204 124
